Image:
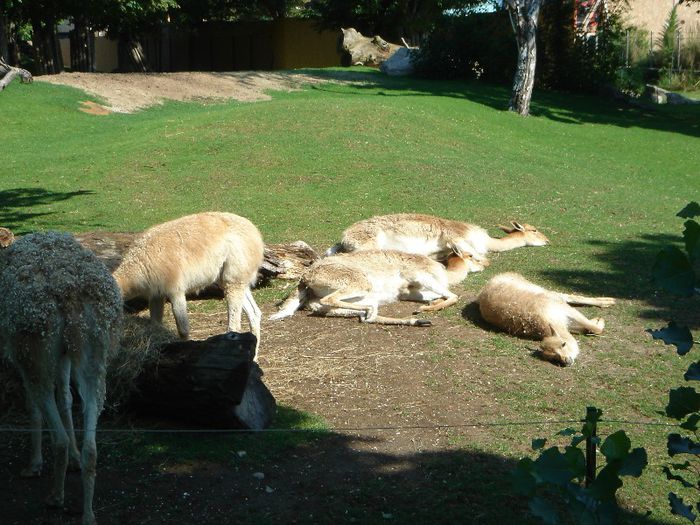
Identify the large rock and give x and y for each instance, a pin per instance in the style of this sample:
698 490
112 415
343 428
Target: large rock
400 63
662 96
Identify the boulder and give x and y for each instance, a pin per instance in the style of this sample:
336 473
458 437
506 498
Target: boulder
400 63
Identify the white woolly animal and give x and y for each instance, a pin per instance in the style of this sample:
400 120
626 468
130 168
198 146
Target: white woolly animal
60 317
433 237
355 284
516 305
188 254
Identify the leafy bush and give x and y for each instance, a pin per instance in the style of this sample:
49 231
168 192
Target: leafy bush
639 46
554 481
667 39
675 271
457 43
690 49
573 62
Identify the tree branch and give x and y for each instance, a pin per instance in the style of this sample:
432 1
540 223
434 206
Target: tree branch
9 73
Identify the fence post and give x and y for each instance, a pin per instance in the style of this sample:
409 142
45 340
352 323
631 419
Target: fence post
592 422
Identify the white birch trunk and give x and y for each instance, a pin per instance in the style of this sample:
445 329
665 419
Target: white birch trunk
524 14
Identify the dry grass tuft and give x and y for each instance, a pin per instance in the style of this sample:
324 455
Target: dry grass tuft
139 346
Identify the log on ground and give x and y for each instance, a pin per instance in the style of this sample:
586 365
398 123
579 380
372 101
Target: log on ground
214 383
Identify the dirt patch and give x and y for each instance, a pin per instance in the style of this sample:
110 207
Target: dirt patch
128 92
93 108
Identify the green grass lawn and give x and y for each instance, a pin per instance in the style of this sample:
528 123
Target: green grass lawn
603 182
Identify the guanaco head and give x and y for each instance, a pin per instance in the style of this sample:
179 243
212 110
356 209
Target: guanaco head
6 237
466 251
558 349
532 236
466 262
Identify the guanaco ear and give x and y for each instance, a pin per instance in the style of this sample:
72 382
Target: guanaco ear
518 226
455 249
554 332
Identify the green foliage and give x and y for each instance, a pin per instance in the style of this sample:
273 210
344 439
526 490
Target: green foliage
458 46
391 20
554 481
574 62
667 39
564 61
674 271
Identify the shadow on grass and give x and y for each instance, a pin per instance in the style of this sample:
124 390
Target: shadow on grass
628 276
324 478
17 204
570 108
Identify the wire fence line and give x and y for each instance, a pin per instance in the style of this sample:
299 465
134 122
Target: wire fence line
644 47
436 426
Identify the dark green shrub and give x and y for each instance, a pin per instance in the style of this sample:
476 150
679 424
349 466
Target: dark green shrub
462 46
573 62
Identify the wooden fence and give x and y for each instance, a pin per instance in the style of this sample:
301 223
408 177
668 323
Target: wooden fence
240 46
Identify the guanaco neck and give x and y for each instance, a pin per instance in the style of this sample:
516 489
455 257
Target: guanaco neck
124 284
511 241
457 269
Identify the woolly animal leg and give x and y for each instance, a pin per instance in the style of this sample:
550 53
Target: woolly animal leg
439 304
407 321
89 377
448 298
580 324
580 300
88 459
235 296
253 313
65 408
156 305
35 459
60 441
328 311
335 300
179 304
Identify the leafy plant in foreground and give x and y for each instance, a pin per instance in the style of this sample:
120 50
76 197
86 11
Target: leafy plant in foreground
554 482
674 271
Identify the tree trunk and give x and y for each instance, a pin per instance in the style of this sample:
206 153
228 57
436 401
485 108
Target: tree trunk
131 55
47 50
8 73
524 15
82 47
13 45
212 382
4 40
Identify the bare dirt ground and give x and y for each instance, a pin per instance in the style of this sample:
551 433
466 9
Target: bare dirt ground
125 93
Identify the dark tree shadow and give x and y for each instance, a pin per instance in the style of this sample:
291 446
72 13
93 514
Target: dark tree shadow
629 276
17 205
570 108
329 479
